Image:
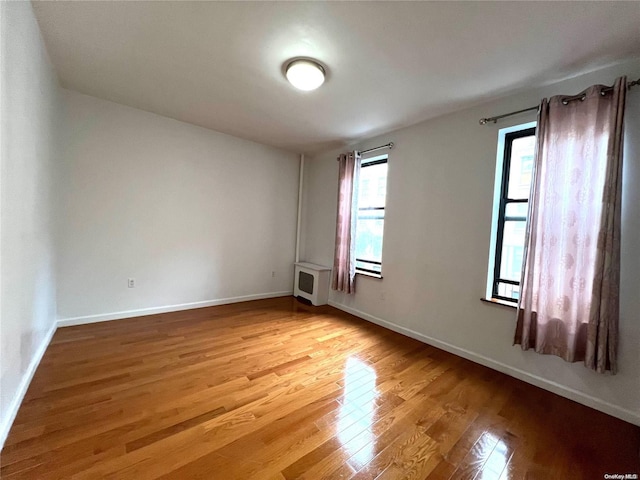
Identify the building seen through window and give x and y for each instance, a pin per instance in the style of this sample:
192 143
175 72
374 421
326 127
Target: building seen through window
517 171
372 195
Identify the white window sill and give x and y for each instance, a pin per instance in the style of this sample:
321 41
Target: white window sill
369 274
502 303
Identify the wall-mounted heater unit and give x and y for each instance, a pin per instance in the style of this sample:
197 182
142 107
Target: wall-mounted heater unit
312 283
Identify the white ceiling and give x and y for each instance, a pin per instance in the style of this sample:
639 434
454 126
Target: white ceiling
390 64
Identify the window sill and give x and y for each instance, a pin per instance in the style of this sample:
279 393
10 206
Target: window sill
368 274
502 303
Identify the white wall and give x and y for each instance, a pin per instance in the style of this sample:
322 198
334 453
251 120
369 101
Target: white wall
28 139
193 215
436 246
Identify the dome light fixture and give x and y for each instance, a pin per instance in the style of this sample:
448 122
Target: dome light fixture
305 74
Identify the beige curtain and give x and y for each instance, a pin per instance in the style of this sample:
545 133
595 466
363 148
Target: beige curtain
344 262
569 301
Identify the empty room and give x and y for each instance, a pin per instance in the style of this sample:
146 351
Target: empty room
319 240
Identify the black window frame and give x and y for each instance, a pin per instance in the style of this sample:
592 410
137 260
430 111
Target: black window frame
364 164
502 218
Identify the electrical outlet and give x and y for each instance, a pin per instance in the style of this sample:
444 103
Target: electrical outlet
131 283
273 274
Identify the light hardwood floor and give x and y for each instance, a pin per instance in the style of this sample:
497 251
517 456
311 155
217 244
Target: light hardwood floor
275 389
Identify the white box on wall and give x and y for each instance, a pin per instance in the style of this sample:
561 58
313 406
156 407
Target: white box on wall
311 282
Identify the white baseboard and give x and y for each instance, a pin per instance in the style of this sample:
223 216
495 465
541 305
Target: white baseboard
104 317
575 395
16 401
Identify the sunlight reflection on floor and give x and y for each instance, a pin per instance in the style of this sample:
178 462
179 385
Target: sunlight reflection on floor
494 467
358 411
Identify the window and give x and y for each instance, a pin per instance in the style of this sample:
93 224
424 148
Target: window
372 195
513 180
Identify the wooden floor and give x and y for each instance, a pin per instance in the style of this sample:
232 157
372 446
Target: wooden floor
274 389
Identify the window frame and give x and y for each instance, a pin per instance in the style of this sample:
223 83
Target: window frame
507 136
364 163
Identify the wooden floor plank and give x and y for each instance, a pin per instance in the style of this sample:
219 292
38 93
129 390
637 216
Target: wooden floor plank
274 389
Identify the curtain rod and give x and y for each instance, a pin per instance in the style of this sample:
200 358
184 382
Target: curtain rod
484 121
388 145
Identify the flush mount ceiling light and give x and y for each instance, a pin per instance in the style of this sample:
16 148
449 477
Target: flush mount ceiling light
305 74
